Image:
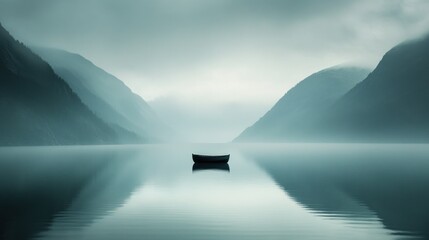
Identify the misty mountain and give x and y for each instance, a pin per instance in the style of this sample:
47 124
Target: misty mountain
106 95
391 104
304 102
38 108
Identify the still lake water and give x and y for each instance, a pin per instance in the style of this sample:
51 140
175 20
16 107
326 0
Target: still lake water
278 191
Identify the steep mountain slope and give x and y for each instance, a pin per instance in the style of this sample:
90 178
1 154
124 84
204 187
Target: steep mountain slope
39 108
391 104
106 95
300 105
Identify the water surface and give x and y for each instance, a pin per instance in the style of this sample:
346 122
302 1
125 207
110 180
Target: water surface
277 191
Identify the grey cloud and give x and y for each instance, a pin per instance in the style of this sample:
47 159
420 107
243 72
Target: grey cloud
171 32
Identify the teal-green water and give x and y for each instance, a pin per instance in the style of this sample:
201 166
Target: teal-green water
271 191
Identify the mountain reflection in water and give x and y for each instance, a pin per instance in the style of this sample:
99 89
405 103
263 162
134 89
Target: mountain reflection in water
37 186
354 181
275 191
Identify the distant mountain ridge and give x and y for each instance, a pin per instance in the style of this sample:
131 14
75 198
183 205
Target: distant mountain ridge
38 108
106 95
308 99
389 105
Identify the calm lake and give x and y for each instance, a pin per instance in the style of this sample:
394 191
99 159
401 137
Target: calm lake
267 191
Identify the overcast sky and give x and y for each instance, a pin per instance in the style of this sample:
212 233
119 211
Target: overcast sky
211 68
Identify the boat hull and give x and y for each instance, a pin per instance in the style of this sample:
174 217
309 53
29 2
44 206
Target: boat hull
210 158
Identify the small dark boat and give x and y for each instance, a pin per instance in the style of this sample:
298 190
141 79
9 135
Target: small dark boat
210 158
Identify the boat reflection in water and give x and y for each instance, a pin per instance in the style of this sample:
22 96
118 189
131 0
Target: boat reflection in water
210 166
